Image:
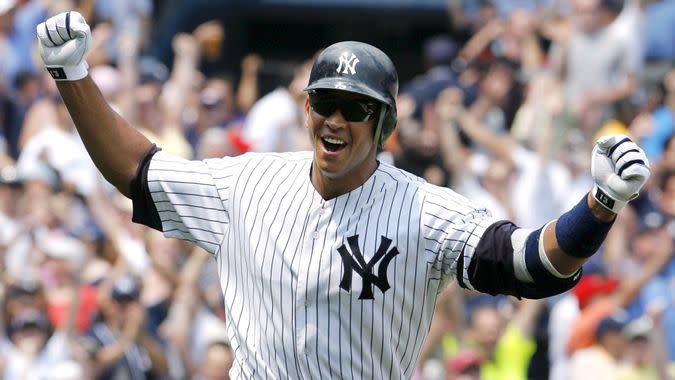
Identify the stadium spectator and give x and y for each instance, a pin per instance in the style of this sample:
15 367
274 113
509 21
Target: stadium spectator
601 360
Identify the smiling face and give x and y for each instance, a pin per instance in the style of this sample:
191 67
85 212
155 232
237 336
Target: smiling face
344 151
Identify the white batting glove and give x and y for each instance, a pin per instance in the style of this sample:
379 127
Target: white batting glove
65 40
620 168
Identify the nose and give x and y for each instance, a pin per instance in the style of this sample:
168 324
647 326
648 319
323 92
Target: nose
336 120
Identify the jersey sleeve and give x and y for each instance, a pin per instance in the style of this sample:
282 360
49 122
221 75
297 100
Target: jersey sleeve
480 253
452 229
477 250
184 199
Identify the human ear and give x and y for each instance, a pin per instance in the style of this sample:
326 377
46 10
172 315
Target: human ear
307 111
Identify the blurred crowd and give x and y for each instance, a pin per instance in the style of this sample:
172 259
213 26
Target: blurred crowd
505 112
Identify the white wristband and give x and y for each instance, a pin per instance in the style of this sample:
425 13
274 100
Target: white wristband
611 204
64 73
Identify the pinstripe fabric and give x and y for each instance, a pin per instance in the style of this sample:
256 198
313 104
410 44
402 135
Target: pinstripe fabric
276 245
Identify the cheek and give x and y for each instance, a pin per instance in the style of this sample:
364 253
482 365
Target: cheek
313 123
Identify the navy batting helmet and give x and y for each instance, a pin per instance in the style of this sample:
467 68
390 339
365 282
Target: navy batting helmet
360 68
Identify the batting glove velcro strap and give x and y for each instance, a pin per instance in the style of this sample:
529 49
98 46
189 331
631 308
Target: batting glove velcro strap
64 41
620 168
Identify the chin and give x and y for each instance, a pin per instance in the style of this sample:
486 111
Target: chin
330 169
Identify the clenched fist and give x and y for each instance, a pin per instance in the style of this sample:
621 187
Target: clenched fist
620 168
65 40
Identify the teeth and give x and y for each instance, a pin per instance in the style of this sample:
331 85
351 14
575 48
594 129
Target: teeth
333 140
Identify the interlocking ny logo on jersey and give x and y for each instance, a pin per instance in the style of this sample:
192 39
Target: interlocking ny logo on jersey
365 269
349 64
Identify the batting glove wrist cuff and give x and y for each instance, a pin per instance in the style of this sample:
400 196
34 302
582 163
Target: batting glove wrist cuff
609 202
69 73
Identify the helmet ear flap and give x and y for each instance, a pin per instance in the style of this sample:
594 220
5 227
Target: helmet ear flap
387 125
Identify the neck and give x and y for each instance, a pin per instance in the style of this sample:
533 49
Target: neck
330 187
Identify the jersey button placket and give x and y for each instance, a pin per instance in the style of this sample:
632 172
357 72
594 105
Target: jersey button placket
302 302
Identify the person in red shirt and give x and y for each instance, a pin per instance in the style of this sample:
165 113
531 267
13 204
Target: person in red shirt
63 257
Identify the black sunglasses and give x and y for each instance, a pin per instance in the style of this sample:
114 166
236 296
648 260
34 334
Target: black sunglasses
353 110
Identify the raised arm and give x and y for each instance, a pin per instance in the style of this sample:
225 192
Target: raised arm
114 146
537 263
619 168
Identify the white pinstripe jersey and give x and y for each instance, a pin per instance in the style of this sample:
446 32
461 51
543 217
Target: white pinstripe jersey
296 300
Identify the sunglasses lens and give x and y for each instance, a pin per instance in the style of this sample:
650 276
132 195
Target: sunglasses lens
352 110
324 107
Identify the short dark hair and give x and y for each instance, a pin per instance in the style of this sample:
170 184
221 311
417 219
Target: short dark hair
615 6
609 324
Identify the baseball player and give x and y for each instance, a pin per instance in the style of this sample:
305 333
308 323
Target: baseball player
330 262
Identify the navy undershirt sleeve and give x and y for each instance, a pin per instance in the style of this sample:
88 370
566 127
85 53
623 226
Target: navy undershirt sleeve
492 271
144 211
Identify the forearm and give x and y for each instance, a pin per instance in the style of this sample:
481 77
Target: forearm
132 329
156 354
183 75
660 349
247 92
547 261
177 327
108 355
479 41
128 68
661 256
115 147
439 326
554 254
525 318
621 91
190 272
532 56
450 150
500 146
564 263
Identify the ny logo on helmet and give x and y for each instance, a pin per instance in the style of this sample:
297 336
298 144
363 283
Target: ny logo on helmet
355 262
349 63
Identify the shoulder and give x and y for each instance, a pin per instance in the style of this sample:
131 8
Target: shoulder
393 175
435 199
256 158
301 156
169 160
261 165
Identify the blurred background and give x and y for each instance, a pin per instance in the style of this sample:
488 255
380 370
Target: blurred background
500 100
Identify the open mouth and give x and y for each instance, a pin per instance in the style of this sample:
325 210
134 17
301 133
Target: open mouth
333 144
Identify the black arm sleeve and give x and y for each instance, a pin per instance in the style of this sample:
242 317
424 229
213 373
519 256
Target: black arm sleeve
491 269
145 211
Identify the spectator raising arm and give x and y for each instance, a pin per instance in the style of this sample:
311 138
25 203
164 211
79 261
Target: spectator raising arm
247 92
183 77
448 104
183 310
657 339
